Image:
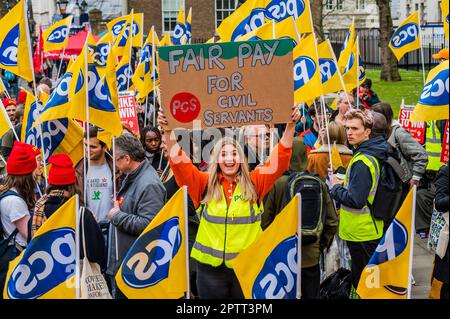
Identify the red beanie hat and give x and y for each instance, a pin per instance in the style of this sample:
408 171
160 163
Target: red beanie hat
7 102
22 97
22 160
62 171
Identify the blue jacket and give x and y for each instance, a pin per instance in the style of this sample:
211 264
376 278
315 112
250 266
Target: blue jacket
360 181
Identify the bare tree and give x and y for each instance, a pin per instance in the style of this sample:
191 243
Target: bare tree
389 68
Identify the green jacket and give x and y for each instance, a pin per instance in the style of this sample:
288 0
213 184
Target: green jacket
273 200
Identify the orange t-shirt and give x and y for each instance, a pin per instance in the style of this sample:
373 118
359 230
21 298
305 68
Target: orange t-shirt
263 177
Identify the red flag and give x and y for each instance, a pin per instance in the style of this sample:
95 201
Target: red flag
39 53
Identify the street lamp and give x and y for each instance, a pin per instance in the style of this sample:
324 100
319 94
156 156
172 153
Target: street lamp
62 6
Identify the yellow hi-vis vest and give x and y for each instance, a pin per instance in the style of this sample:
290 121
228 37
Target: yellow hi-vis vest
225 231
433 146
355 224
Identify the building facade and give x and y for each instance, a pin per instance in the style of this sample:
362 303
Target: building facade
338 14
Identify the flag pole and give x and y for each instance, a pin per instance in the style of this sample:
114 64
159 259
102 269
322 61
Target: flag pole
186 242
153 75
114 191
30 57
299 245
421 49
338 71
61 56
77 245
131 47
87 113
412 242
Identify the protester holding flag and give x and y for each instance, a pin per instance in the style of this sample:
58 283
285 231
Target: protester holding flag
151 141
366 96
319 159
16 201
357 226
440 278
228 223
62 185
310 136
344 102
140 197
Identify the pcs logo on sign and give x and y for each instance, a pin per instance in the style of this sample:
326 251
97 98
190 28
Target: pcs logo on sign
278 277
405 35
279 10
58 35
252 22
148 261
44 266
304 69
8 47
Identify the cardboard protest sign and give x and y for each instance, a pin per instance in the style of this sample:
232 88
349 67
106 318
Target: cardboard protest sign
127 111
417 129
227 84
445 147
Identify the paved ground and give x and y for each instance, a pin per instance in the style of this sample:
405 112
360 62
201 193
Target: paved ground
422 267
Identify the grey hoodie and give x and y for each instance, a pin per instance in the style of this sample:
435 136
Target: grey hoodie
142 196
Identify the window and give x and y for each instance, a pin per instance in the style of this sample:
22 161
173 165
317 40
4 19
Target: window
340 4
224 8
329 4
170 10
360 4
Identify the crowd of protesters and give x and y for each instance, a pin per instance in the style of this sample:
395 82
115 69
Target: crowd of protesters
122 198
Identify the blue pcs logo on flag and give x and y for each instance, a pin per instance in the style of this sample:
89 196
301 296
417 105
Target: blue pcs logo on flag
123 74
279 10
278 276
405 35
436 91
252 22
54 133
327 68
58 35
99 95
304 69
117 28
393 243
349 65
9 47
42 270
160 245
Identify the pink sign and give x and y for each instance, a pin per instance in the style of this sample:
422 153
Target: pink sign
417 129
127 111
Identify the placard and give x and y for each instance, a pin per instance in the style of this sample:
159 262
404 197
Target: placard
417 129
227 84
127 111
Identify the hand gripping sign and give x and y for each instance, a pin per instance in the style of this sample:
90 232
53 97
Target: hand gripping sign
227 84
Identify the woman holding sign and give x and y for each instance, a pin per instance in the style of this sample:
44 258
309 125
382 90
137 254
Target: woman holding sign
228 197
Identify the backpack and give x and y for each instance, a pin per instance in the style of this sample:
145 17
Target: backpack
337 285
310 186
389 192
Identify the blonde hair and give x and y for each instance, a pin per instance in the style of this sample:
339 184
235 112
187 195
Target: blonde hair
337 133
364 116
215 192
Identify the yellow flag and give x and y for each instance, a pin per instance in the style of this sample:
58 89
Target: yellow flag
115 27
122 45
445 16
179 32
282 30
165 40
77 87
271 258
329 70
57 36
307 82
279 10
388 274
14 46
5 124
353 75
46 268
248 17
347 47
407 36
155 265
433 101
336 157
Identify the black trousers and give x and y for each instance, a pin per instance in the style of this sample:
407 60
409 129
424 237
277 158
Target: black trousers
310 282
217 283
360 253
